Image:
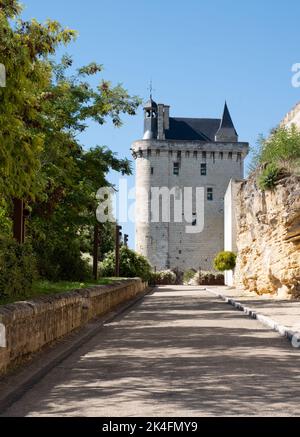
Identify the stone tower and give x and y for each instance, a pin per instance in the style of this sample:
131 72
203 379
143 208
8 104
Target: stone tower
176 153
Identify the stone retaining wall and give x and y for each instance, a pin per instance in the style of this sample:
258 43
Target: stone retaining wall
31 325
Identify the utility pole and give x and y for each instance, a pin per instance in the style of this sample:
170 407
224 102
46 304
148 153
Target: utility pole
118 235
96 252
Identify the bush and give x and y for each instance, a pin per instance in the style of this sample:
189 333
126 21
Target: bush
132 265
17 267
62 261
281 150
165 277
225 261
209 278
188 276
268 177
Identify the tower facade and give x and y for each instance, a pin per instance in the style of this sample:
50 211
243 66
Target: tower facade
176 156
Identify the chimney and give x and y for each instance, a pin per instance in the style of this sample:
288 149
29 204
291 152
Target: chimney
160 122
166 117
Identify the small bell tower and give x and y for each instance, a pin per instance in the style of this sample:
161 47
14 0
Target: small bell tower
150 115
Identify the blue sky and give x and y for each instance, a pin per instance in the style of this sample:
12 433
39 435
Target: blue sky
197 52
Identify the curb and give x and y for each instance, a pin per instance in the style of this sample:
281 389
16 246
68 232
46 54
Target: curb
283 331
24 379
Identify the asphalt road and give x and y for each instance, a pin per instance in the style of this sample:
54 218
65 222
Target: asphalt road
179 352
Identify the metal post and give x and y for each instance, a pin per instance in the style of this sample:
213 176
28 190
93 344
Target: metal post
18 220
117 270
96 252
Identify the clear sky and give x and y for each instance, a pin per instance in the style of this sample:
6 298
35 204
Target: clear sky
197 52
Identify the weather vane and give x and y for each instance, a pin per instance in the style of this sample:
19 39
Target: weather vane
151 89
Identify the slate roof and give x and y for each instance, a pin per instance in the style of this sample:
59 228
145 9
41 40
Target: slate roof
193 129
227 120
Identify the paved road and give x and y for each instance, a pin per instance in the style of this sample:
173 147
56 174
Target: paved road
180 352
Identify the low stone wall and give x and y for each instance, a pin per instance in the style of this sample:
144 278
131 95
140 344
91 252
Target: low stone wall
31 325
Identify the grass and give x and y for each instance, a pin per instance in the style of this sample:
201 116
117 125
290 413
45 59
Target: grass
43 288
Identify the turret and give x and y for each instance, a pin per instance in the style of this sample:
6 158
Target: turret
150 124
226 132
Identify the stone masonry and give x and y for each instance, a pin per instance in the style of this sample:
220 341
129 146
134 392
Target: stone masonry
34 324
179 153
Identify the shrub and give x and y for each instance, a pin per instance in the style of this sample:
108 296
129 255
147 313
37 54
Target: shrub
268 177
164 277
225 261
209 278
188 276
132 265
281 149
62 261
17 267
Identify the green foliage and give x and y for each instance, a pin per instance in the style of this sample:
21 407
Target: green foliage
209 278
17 267
281 150
24 49
43 111
164 277
132 265
225 261
61 260
188 276
282 147
268 177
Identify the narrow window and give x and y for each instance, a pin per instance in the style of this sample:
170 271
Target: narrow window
210 194
152 171
178 155
170 153
149 153
230 155
187 154
157 152
203 169
204 155
239 157
195 155
176 168
221 155
194 222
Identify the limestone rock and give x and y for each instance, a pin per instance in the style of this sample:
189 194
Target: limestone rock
268 238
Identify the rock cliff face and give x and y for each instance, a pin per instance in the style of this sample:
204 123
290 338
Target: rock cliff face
268 238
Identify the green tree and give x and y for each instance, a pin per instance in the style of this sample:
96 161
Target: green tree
43 111
65 212
24 51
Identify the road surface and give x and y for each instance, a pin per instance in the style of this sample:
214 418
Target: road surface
179 352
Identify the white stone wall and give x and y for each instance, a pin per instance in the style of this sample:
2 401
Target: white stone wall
230 225
167 245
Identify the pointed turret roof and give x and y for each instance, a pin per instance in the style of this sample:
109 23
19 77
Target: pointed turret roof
226 121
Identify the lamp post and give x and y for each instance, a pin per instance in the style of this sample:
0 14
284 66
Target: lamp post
126 238
118 235
96 251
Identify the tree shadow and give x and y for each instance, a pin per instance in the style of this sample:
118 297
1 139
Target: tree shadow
174 354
